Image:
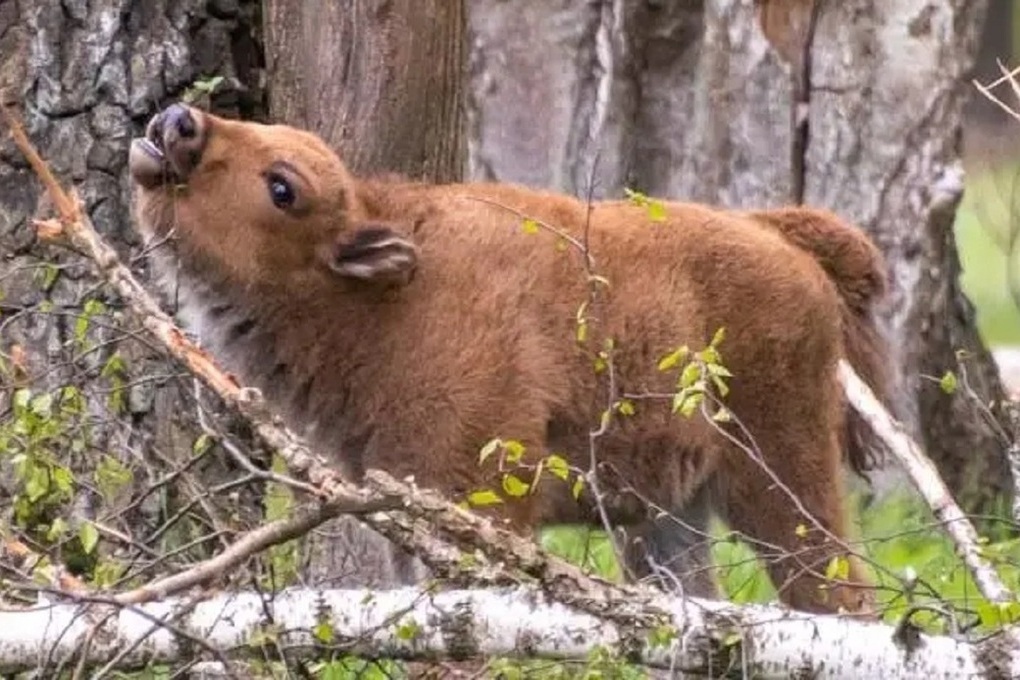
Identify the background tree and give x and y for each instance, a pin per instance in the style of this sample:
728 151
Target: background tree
381 82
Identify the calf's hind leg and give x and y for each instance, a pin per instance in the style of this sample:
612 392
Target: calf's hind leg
794 547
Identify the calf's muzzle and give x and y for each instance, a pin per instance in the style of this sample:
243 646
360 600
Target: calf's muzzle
171 148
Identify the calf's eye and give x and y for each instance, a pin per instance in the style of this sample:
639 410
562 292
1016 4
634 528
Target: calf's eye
280 191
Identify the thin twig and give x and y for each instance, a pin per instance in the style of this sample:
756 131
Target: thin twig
928 482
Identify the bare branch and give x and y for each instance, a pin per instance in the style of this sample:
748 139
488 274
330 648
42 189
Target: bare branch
250 544
927 480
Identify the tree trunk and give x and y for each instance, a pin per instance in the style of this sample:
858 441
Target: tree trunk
904 191
690 100
381 82
86 76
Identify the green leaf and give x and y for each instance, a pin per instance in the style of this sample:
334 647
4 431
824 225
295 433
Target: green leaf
948 383
93 307
662 635
38 484
89 537
408 630
22 398
709 355
720 386
489 449
71 400
582 332
323 632
467 561
998 614
635 197
514 487
557 466
63 479
577 488
690 404
719 371
838 569
49 276
625 407
719 336
690 373
656 211
722 415
673 358
514 451
81 326
111 476
483 498
202 444
42 405
114 366
529 226
106 573
801 530
57 529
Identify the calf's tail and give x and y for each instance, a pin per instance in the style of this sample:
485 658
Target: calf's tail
857 269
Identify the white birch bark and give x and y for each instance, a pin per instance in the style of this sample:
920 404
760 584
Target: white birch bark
712 637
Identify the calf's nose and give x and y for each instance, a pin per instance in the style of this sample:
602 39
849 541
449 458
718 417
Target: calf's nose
178 118
179 132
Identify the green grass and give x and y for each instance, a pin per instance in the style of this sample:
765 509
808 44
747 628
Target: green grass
909 555
990 211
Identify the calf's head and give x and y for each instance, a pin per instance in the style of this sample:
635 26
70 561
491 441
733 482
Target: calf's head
253 204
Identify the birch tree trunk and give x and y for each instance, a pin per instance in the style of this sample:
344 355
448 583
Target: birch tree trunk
690 100
381 82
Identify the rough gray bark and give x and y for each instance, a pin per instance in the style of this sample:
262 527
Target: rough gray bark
690 100
381 82
86 76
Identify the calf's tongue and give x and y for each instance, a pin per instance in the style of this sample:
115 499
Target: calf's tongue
147 163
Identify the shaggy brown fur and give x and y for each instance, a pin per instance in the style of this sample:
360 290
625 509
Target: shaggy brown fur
404 325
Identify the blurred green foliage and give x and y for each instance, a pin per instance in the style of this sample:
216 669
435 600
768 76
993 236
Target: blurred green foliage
987 221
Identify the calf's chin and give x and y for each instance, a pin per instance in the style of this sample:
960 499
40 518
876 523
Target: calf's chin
403 325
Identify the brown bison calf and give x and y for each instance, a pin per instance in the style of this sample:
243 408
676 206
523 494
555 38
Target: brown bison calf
402 326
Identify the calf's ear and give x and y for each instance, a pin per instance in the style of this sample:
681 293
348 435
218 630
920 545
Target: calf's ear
375 253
